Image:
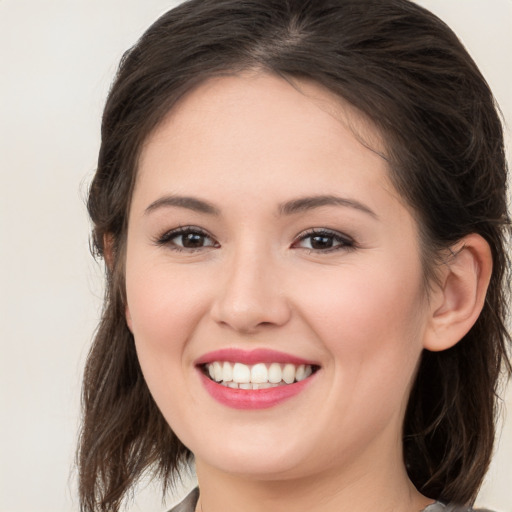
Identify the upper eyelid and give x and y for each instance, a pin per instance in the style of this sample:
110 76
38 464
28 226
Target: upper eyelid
171 233
324 231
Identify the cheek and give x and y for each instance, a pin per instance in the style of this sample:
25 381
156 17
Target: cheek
163 308
371 321
164 312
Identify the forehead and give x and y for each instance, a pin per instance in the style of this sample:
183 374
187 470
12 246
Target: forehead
293 95
245 117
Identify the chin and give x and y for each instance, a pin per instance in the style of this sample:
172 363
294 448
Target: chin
261 468
264 460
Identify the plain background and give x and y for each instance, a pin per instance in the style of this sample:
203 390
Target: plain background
57 59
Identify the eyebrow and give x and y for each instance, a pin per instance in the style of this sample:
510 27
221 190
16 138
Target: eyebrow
308 203
190 203
294 206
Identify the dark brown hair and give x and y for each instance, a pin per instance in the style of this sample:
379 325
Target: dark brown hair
406 71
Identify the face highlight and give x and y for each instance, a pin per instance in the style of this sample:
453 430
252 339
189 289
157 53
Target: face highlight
274 282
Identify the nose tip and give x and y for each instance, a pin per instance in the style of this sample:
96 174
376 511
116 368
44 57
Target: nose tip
251 300
249 317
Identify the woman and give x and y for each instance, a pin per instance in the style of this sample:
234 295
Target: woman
302 209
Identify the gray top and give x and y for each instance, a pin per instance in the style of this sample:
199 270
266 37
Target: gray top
190 502
440 507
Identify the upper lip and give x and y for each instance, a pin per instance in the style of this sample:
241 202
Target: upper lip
254 356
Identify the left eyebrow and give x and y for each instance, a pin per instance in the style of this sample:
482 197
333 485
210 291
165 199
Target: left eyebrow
308 203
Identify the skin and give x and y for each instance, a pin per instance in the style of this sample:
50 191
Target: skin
246 145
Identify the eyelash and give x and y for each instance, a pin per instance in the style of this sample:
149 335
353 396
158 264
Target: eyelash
344 242
167 238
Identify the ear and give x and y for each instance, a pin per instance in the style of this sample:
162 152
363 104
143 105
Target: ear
458 300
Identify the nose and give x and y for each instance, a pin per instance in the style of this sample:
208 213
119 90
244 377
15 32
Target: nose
252 295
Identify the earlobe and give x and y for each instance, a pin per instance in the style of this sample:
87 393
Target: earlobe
458 300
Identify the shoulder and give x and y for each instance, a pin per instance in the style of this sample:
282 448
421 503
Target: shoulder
189 503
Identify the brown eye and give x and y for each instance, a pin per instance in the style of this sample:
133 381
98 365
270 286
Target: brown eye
191 240
187 239
323 241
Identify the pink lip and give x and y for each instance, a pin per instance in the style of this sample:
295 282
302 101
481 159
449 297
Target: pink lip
253 398
259 355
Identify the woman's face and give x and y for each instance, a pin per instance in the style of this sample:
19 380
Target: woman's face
266 242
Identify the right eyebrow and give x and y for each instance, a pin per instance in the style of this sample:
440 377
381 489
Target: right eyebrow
303 204
190 203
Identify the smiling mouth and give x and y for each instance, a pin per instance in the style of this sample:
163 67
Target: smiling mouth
256 376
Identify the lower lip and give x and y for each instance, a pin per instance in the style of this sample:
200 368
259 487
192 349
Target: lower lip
253 398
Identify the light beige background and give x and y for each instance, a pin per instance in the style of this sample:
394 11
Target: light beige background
57 58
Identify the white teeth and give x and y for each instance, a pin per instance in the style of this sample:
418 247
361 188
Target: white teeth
250 385
227 372
217 371
259 373
241 373
289 373
258 376
303 372
275 374
299 374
